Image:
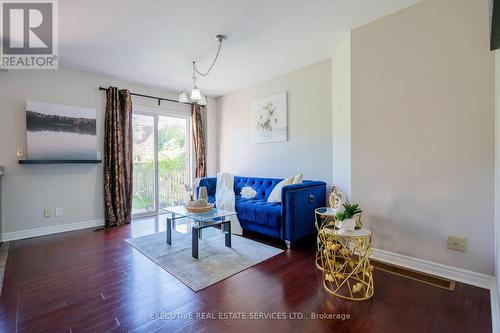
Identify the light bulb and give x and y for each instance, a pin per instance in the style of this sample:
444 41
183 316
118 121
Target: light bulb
195 94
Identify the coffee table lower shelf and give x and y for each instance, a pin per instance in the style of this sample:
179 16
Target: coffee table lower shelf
198 225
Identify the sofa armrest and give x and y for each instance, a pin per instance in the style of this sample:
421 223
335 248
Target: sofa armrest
298 204
210 183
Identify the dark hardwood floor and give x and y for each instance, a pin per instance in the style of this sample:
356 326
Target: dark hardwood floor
87 281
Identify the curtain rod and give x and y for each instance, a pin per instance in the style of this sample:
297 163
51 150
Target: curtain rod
159 99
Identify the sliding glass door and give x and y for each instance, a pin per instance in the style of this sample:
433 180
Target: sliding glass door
143 200
161 160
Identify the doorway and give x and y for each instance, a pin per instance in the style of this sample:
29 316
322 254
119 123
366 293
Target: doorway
162 160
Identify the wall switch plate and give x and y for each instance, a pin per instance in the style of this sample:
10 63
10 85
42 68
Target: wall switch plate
20 152
457 243
47 212
59 212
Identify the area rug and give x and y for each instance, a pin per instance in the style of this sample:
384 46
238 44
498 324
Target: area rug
215 262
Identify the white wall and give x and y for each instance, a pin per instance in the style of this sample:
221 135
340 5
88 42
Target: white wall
497 169
27 189
309 145
341 114
423 131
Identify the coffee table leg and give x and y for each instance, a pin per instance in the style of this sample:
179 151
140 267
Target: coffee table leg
227 227
169 231
194 245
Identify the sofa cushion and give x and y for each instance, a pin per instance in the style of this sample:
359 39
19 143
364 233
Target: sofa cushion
259 211
275 195
298 179
263 186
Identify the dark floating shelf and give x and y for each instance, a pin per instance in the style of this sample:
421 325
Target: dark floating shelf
60 161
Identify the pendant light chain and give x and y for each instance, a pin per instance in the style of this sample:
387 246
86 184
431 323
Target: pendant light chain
195 70
196 95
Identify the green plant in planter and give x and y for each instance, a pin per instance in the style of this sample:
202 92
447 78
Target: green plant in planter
349 211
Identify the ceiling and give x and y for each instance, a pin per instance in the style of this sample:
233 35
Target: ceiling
155 42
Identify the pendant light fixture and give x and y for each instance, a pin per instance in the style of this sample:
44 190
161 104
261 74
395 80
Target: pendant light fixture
183 97
202 101
196 95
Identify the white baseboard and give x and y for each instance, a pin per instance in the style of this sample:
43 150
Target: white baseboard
15 235
449 272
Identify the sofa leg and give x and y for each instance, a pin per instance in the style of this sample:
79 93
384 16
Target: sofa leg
288 244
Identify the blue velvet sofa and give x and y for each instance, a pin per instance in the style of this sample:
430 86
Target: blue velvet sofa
289 220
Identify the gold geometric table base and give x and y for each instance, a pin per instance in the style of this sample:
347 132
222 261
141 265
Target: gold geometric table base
344 259
323 216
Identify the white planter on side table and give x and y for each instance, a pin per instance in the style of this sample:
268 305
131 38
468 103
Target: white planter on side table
348 224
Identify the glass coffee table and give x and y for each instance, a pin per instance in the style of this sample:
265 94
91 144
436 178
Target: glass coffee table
214 218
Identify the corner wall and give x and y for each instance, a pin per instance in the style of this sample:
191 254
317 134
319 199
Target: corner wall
341 114
423 131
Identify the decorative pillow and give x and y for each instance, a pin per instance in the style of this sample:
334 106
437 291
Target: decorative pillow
248 192
298 179
275 196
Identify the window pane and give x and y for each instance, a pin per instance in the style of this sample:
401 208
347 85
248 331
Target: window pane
143 156
172 160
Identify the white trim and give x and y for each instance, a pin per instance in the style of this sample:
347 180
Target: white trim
156 174
449 272
162 112
494 308
15 235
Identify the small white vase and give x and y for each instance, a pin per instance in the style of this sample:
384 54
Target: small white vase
348 224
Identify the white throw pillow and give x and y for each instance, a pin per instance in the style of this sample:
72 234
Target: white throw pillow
298 179
275 195
248 192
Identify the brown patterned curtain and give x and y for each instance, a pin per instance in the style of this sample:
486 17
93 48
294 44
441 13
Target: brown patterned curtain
198 141
118 157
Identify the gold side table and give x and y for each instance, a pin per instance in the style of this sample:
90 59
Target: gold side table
323 216
348 273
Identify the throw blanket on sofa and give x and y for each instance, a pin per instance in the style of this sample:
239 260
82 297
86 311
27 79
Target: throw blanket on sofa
225 199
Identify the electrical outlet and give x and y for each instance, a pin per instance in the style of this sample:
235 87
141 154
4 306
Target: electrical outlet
59 212
457 243
47 212
20 152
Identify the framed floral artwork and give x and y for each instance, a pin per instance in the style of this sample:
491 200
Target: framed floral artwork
269 119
